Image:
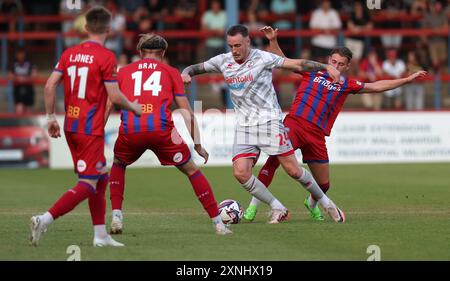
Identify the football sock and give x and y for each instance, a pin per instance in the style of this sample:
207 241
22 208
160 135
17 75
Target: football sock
100 231
97 201
46 218
260 191
324 187
216 220
117 213
117 186
71 198
268 170
310 184
204 193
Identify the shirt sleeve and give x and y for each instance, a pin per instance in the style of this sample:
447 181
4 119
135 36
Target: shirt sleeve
109 69
354 86
213 64
272 60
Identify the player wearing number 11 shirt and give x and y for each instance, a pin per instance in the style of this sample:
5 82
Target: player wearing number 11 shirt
89 74
156 85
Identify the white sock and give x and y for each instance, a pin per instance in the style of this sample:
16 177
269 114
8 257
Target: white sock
255 201
217 220
310 184
325 201
260 191
100 231
117 213
46 218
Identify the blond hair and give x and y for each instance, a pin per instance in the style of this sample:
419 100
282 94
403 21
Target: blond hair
151 42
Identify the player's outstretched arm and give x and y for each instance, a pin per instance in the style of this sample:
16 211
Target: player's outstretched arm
302 65
271 35
191 124
385 85
118 99
192 70
50 97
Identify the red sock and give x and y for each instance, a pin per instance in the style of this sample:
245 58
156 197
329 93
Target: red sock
204 193
71 199
97 201
268 170
325 187
117 186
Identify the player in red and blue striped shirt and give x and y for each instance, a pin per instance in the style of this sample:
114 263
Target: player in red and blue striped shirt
156 85
316 106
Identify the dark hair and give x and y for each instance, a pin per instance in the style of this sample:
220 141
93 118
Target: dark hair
98 19
238 29
342 51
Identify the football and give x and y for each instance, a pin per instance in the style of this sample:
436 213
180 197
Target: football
230 211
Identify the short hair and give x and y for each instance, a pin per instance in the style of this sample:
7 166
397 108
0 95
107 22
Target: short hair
98 20
151 42
342 51
238 29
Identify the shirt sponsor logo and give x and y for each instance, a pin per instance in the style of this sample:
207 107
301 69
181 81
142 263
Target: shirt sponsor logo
327 84
238 82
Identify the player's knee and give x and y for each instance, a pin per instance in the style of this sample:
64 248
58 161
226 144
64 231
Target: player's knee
293 171
241 174
189 168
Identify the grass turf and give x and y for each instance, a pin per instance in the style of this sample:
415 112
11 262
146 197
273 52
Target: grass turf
403 209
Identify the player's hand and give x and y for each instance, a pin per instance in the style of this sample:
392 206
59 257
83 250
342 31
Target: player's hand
334 74
137 108
418 74
186 78
53 129
202 152
270 33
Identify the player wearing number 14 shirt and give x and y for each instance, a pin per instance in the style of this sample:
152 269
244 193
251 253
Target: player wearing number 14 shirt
88 72
156 85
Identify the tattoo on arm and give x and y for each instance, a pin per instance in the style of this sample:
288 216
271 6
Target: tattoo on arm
311 66
194 69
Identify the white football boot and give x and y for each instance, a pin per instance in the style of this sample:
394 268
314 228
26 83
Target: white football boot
222 229
37 228
107 241
335 213
116 224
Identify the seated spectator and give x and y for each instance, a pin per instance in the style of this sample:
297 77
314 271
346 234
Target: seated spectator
391 8
215 20
254 25
359 22
437 20
186 10
260 7
157 11
11 9
22 72
395 68
414 92
326 20
370 70
115 38
284 9
68 24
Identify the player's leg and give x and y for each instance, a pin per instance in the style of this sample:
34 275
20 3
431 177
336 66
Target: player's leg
321 173
242 169
304 177
127 149
204 194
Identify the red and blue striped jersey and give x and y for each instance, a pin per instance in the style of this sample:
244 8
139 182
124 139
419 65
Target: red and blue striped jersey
85 68
154 84
319 101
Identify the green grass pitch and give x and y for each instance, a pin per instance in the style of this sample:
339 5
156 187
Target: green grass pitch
403 208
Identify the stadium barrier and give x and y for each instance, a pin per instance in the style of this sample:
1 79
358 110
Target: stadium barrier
357 137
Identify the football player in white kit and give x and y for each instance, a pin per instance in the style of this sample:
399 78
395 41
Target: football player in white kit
248 74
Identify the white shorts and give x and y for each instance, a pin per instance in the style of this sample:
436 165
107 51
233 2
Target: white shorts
271 137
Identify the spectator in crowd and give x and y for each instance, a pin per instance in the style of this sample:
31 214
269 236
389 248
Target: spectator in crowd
392 9
370 70
186 11
157 10
215 20
284 9
115 40
394 68
145 25
22 73
326 20
259 7
68 23
359 22
414 92
11 9
254 25
436 20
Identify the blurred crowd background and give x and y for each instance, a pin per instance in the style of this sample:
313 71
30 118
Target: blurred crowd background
401 37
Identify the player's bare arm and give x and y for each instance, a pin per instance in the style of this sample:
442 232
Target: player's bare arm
302 65
54 130
118 99
192 70
108 109
385 85
271 35
192 125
